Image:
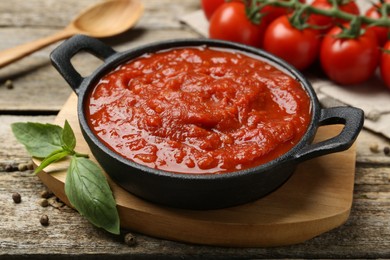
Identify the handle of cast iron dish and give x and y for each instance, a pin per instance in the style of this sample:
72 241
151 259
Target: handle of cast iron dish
62 55
351 118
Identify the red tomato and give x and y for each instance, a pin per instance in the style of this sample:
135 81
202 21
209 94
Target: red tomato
273 12
327 22
385 64
298 47
381 32
210 6
230 23
349 61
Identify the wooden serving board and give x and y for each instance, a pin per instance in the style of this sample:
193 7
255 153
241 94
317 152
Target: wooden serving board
316 199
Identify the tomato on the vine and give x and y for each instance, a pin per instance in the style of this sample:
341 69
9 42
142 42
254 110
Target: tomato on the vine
298 47
210 6
325 23
385 64
230 22
349 61
380 31
273 12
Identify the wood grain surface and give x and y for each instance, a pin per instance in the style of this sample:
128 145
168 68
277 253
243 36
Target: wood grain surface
38 94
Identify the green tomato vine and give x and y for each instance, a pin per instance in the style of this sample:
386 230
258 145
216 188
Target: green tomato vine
302 11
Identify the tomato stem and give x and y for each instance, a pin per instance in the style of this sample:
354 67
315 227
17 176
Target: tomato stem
353 31
384 10
252 11
298 19
335 12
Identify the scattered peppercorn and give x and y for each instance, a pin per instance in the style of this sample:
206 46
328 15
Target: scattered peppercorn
8 84
130 239
55 202
374 147
30 165
9 168
386 150
44 220
46 194
43 203
373 115
16 197
22 167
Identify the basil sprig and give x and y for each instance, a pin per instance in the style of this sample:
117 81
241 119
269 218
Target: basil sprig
85 186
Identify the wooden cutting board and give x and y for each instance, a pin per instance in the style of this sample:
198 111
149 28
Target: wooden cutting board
316 199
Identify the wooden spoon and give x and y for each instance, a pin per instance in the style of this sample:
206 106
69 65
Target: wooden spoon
102 20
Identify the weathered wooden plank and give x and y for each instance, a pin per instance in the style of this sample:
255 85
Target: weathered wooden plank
363 236
11 151
39 87
34 13
366 141
33 77
158 13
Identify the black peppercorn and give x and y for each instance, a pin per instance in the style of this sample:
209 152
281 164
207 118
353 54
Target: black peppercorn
44 220
46 194
386 150
43 203
130 239
9 84
16 197
9 168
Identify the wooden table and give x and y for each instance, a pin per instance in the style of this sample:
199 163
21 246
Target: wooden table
39 92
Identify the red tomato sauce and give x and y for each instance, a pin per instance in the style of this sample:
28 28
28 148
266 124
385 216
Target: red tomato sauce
198 110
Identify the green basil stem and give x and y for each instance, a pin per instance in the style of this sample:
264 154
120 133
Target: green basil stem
56 156
80 155
333 12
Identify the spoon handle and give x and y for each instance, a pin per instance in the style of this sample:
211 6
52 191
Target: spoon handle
15 53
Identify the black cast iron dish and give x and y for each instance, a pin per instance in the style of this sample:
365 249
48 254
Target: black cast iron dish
200 191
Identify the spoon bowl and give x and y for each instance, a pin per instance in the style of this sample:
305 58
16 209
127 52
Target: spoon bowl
108 18
104 19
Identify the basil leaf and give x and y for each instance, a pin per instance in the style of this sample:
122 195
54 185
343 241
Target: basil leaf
53 157
85 186
68 138
87 190
39 139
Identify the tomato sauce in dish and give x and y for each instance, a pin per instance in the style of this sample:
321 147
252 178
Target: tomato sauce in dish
198 110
